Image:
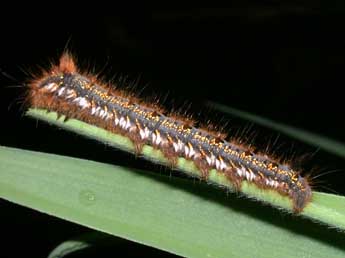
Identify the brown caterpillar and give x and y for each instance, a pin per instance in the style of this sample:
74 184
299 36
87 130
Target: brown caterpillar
68 91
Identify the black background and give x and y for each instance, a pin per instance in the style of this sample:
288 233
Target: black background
283 62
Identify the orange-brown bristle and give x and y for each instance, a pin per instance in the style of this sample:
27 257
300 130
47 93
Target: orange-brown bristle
67 63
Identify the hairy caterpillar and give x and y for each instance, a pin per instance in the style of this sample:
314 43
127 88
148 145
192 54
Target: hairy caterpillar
66 90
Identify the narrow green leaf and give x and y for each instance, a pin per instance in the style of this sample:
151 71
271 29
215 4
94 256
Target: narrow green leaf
331 213
84 242
311 138
190 219
68 247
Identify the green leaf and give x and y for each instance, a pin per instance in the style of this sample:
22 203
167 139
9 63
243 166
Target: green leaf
331 213
307 137
83 243
190 219
181 216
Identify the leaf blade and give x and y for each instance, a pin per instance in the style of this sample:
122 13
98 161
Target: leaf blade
317 209
172 215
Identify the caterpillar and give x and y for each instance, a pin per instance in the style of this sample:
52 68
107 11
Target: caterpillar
68 91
